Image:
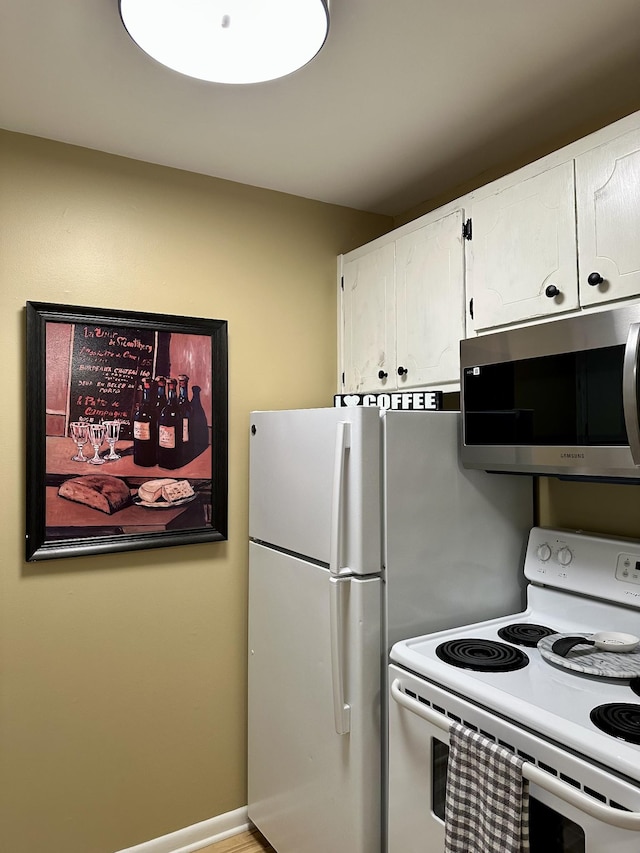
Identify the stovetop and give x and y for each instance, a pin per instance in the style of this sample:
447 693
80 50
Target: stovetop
546 697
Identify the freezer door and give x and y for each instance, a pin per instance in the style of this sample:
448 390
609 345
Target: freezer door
311 789
315 485
455 537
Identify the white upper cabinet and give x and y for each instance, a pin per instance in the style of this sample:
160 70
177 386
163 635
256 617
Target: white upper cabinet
560 235
430 303
368 319
522 256
608 208
403 308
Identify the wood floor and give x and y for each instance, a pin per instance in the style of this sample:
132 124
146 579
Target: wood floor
246 842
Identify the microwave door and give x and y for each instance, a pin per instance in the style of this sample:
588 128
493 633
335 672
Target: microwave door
630 391
557 399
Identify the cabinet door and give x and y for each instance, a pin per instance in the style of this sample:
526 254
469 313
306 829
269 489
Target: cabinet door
608 196
368 305
524 242
430 303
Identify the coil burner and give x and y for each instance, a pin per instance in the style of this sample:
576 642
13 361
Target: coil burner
619 719
481 655
525 634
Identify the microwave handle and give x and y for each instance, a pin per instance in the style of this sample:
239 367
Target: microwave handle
630 391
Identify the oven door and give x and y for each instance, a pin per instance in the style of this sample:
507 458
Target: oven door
574 806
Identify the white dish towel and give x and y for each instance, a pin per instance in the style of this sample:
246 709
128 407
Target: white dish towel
487 798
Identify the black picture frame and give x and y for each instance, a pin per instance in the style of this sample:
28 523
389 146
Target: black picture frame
86 365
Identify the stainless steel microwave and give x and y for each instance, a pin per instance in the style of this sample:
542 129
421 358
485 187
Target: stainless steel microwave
559 398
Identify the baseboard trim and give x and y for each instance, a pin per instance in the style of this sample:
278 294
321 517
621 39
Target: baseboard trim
195 837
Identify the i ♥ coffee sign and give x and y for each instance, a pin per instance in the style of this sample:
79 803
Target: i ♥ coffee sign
400 400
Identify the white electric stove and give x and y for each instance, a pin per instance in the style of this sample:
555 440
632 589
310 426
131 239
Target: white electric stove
535 681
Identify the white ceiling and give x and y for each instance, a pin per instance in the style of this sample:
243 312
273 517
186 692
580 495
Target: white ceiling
407 99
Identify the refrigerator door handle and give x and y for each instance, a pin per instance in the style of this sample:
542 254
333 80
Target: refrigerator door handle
343 443
341 710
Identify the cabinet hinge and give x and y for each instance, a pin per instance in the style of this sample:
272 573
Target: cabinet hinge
466 230
471 307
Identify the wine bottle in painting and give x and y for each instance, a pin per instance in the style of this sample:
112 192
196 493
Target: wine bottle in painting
170 430
145 429
161 394
185 411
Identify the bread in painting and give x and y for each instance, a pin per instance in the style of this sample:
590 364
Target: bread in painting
99 491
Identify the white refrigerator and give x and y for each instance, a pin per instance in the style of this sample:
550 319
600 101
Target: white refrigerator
364 529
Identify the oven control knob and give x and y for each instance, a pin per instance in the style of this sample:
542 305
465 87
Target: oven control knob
564 556
544 552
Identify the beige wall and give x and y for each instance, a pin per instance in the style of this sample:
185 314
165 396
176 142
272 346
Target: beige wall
606 508
122 678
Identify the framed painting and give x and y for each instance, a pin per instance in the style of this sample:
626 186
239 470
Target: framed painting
126 430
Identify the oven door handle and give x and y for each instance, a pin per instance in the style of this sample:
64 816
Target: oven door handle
630 391
555 786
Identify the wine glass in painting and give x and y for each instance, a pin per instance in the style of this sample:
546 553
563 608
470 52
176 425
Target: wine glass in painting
96 436
112 434
79 431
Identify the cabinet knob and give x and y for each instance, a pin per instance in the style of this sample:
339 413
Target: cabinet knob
595 279
402 371
552 291
382 374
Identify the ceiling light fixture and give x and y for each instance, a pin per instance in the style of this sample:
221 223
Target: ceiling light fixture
228 41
